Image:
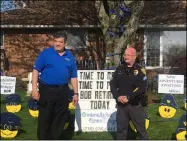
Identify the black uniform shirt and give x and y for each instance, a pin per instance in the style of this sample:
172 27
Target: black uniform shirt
130 82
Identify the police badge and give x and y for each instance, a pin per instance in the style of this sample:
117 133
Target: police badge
135 72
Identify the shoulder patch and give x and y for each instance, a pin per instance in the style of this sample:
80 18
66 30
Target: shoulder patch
144 78
143 70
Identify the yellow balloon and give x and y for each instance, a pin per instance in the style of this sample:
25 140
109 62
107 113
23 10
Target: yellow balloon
34 113
71 106
167 111
8 133
13 108
181 135
146 125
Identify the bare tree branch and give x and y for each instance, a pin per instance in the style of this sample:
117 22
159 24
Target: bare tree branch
102 15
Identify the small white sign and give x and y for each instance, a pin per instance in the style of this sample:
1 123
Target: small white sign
95 120
172 84
8 85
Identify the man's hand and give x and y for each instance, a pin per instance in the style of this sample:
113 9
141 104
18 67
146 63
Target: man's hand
120 99
35 95
75 99
123 99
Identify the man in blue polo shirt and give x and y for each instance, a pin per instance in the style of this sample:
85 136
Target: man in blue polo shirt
57 67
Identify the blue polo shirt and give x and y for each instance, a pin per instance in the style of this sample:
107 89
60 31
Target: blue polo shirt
56 69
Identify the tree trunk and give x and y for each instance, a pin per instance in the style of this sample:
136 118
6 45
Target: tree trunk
116 45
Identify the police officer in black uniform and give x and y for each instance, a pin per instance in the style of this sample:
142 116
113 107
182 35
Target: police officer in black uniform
128 86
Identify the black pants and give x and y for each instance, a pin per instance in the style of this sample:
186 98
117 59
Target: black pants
136 115
53 112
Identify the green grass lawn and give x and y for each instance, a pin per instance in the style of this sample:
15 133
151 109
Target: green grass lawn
159 128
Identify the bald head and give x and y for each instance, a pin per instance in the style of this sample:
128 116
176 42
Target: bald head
130 56
131 51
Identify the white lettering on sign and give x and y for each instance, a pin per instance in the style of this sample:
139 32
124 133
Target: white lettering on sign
173 84
8 85
95 101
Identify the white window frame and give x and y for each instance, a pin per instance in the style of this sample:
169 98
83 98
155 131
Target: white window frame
2 36
161 49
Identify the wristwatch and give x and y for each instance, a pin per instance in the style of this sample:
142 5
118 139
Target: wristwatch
76 94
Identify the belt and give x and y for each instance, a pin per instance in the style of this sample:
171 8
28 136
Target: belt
53 86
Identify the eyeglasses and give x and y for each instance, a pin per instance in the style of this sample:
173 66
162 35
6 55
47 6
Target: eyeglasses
129 55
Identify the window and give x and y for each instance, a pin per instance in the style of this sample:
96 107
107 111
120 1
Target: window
161 46
174 38
152 49
77 39
2 40
174 47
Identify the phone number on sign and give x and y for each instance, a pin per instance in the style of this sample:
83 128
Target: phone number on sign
99 128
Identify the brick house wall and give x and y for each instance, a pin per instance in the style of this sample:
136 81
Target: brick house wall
22 50
23 46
